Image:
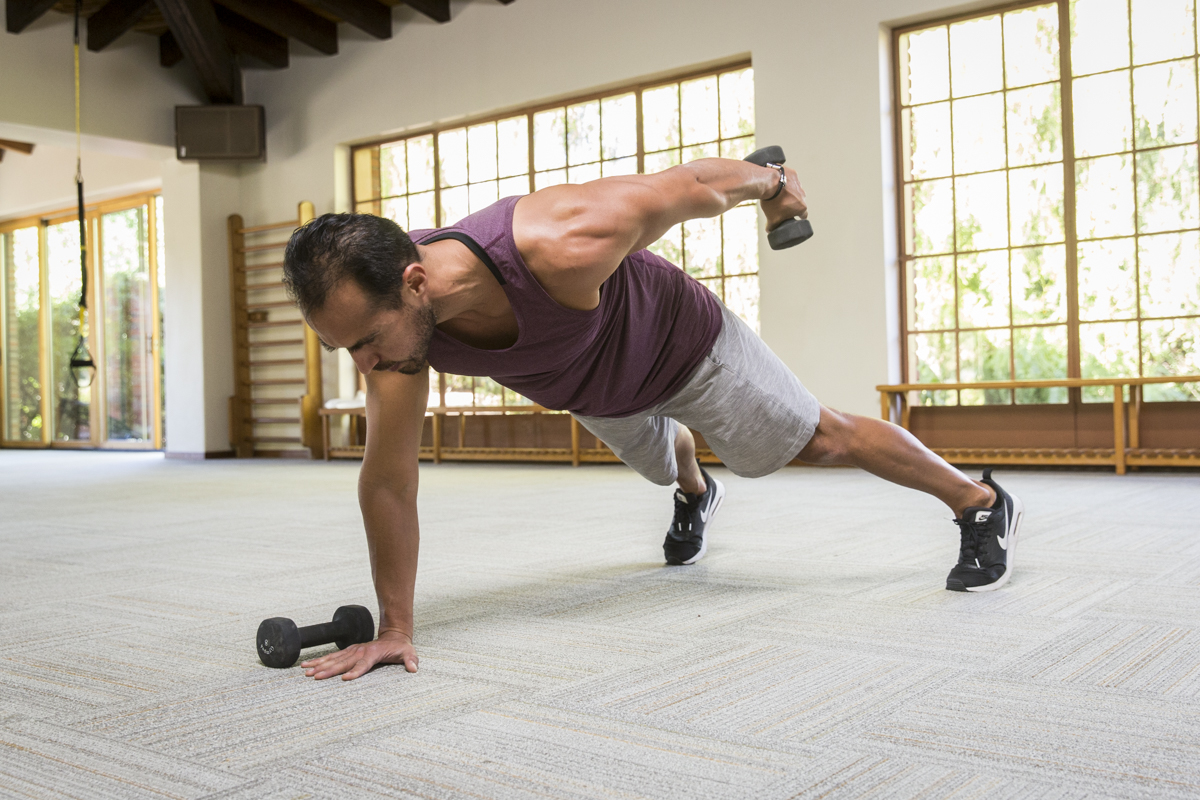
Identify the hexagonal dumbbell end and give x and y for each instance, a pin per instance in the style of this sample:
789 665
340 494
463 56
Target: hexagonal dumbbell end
355 625
791 232
278 642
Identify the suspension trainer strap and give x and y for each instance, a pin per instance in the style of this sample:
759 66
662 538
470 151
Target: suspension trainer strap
82 366
79 178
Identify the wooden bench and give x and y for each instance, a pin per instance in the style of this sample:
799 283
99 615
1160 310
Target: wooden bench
1125 452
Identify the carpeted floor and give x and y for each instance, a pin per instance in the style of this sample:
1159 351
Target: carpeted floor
813 653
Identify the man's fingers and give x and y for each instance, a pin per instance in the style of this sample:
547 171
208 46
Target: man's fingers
360 667
332 664
316 662
355 661
328 657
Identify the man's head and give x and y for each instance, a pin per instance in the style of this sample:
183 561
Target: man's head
356 279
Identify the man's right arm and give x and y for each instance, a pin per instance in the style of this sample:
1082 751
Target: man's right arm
387 496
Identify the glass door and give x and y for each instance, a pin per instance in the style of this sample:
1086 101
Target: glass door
129 323
21 318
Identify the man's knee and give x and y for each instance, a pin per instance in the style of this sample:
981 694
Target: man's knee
830 443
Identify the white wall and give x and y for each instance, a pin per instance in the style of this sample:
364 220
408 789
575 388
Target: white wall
822 93
45 180
199 368
125 94
127 115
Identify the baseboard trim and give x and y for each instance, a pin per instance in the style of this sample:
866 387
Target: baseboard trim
199 456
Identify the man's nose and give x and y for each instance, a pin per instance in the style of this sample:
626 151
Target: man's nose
365 361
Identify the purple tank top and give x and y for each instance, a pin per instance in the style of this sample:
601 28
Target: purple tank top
654 325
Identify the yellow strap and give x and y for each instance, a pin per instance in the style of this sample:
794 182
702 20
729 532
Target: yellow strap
78 129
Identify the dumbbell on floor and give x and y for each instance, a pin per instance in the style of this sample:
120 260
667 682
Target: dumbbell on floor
790 232
279 641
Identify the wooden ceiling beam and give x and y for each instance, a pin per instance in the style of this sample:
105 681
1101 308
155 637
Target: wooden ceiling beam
198 33
247 38
289 19
20 147
368 16
20 14
437 10
112 20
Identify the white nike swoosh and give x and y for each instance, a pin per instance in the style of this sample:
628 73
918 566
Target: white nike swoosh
704 513
1003 540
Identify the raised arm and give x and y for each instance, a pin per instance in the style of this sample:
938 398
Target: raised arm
574 237
387 496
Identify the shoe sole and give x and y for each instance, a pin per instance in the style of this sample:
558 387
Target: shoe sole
712 515
1018 517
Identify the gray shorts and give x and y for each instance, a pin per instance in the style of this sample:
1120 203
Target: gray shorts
753 412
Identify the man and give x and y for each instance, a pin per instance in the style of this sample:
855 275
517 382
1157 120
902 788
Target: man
554 295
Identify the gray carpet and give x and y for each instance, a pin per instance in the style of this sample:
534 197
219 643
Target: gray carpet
813 653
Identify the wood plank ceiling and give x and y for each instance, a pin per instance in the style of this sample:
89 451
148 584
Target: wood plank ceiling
220 37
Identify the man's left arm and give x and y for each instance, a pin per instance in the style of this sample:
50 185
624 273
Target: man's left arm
573 237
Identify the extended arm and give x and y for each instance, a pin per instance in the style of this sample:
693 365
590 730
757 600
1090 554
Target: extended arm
574 237
387 496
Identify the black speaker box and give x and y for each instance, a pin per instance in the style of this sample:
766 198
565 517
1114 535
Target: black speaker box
220 133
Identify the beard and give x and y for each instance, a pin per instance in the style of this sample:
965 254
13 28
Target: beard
424 322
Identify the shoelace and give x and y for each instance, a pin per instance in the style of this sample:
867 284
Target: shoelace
973 536
683 514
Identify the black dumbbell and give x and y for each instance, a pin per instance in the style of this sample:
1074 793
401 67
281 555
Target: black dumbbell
279 641
790 232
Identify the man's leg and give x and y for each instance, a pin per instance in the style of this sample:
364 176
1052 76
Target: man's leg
663 451
690 479
697 501
893 454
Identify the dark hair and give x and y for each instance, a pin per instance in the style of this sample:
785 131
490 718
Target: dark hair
372 251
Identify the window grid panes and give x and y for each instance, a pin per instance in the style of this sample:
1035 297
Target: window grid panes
1041 247
22 302
41 403
435 179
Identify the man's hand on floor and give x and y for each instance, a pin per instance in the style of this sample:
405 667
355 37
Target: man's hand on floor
391 647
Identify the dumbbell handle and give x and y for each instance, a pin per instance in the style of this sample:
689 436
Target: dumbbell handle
323 633
790 232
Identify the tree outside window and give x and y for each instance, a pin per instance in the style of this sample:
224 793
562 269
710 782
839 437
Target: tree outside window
1051 198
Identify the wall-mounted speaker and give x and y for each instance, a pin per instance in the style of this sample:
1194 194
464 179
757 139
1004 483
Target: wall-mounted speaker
220 133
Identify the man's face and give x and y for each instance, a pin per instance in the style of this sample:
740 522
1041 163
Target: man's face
391 339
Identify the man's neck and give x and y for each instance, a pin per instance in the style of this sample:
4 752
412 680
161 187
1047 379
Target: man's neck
459 283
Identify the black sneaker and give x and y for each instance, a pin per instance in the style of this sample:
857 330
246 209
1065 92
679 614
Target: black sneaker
989 539
687 539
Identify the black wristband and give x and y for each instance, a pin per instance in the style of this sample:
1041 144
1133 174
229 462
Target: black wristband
782 182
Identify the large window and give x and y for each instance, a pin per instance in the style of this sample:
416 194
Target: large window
1051 220
435 178
43 402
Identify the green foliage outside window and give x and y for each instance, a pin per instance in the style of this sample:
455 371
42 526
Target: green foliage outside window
987 253
23 406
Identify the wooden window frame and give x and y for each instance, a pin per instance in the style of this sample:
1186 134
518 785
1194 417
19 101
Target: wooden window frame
1070 243
529 111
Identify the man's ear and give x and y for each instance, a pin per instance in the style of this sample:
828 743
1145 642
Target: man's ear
415 278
